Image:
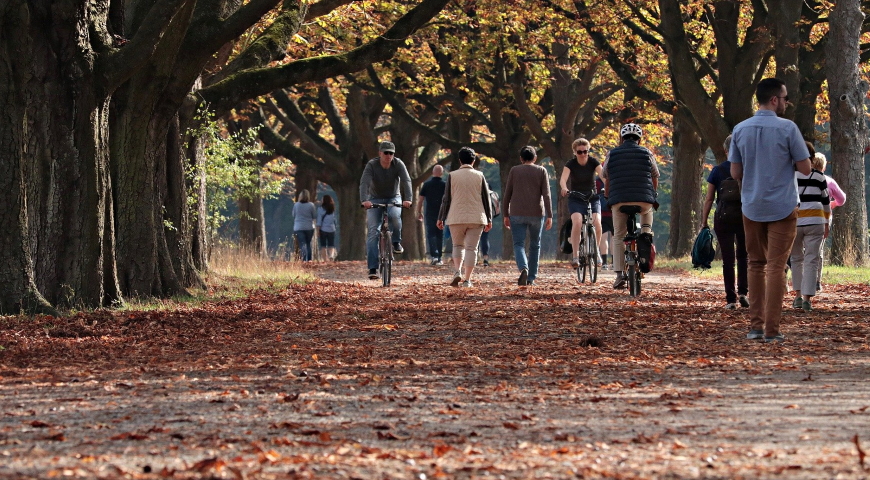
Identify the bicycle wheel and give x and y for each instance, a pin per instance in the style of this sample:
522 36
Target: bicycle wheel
591 255
386 258
633 281
581 269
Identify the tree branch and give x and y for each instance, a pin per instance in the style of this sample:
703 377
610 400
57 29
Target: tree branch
252 83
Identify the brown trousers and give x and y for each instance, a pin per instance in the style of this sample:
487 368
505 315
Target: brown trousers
768 245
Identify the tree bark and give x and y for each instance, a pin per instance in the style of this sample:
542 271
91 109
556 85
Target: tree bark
849 135
689 150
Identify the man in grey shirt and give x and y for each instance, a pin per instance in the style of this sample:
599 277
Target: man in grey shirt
380 183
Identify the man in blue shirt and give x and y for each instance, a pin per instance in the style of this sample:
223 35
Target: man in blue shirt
765 152
432 193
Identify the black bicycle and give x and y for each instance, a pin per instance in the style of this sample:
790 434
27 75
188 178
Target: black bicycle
631 270
588 248
385 243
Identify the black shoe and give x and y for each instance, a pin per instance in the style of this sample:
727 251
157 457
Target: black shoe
397 248
524 278
620 281
373 274
744 302
486 263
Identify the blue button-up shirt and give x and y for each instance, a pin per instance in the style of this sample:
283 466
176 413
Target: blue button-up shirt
768 147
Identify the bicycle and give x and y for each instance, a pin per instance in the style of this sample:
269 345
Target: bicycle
631 270
587 249
385 243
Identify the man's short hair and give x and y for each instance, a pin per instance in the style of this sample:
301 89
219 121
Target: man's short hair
528 153
766 89
387 147
466 155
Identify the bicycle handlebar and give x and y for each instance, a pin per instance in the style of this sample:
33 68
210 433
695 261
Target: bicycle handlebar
587 197
381 205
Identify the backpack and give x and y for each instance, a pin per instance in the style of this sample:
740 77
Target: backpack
646 252
703 252
496 205
729 208
565 237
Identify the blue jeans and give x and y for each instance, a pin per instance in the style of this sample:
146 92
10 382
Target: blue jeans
303 239
434 237
534 226
373 224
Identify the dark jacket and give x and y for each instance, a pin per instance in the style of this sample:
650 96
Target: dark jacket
630 174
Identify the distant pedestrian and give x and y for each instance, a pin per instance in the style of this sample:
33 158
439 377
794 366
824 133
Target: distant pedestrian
765 151
431 194
812 230
527 208
304 214
466 210
838 198
605 245
326 225
729 233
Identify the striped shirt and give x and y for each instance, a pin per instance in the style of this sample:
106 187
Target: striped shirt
815 206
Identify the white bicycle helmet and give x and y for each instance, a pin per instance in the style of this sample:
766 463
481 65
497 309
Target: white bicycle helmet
630 129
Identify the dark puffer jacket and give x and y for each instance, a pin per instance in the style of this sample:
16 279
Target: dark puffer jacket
629 174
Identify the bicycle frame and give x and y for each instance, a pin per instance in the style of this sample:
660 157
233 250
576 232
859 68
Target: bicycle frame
588 246
631 269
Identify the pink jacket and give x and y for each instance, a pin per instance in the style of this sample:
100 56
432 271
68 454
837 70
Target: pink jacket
838 197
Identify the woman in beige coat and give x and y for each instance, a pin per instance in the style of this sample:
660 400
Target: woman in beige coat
468 213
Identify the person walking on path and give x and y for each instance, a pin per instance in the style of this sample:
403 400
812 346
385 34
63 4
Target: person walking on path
631 177
381 182
431 194
729 233
605 245
581 171
304 213
326 225
527 207
466 210
765 151
838 198
814 213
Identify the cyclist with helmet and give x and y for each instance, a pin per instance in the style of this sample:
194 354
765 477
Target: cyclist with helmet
631 177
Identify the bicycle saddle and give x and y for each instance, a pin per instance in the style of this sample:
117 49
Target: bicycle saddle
630 209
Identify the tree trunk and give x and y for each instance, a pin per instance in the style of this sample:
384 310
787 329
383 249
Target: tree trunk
252 226
849 135
686 202
352 222
61 144
18 292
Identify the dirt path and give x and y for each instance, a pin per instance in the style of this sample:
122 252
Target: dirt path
344 379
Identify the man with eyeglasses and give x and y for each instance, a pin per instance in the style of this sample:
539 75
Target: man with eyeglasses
631 177
765 152
381 181
581 171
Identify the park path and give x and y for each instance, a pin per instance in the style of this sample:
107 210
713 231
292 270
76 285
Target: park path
342 378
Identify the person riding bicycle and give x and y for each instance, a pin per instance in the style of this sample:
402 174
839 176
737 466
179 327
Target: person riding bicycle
581 171
631 177
380 183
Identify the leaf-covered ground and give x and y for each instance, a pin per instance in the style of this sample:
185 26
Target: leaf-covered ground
344 379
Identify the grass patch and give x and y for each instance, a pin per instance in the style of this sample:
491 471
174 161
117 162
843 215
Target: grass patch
831 274
233 274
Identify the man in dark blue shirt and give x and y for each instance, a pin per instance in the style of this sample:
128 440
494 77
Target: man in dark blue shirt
431 193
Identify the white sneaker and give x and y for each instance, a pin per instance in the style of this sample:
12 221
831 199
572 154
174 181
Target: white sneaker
467 284
575 262
457 278
731 306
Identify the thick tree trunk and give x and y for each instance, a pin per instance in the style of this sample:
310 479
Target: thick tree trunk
686 202
849 135
352 221
179 231
18 292
62 146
